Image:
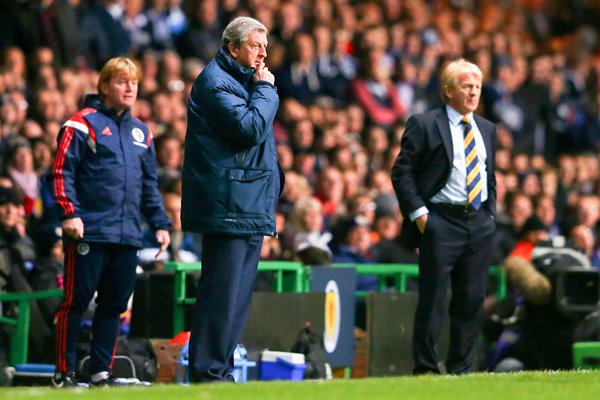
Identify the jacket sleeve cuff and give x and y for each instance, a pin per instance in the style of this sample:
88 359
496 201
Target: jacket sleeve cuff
417 213
163 226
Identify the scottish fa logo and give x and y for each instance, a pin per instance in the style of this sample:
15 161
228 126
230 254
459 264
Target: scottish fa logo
137 134
333 311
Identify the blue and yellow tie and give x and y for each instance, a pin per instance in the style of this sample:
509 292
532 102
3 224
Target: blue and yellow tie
472 163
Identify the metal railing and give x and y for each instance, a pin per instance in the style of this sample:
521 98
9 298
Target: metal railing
289 277
19 337
295 277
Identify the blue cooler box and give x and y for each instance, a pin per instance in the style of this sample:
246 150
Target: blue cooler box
280 365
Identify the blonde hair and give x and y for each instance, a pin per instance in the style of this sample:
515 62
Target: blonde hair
301 207
451 72
118 66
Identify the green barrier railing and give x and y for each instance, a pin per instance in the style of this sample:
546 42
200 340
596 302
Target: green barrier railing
499 274
289 277
19 341
400 273
295 277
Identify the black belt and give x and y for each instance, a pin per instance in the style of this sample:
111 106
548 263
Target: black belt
455 209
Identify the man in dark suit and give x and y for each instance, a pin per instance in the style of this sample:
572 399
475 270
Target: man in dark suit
444 180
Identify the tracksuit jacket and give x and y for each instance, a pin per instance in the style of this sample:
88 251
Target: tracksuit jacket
105 174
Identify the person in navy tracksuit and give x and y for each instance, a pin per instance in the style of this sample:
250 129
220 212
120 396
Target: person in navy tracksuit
231 184
105 180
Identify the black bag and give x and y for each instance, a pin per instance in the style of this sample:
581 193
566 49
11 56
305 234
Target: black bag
141 353
310 344
134 358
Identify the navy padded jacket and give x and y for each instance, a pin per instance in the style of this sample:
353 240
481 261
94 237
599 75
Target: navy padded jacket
231 179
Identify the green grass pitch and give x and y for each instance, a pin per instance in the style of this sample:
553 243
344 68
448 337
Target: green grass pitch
564 385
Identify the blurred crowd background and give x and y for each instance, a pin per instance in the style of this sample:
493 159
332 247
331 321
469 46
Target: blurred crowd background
349 74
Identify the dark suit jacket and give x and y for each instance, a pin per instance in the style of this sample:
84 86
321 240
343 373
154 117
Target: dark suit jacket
423 166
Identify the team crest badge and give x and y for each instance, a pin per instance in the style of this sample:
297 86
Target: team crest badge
137 134
83 248
333 311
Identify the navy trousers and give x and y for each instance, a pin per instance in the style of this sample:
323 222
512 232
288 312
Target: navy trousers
229 265
90 267
455 253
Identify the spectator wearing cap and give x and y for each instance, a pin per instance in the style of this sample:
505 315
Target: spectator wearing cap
353 245
17 258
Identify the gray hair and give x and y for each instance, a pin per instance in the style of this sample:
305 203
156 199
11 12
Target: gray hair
237 30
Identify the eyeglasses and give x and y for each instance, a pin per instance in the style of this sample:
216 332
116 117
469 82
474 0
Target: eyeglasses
367 206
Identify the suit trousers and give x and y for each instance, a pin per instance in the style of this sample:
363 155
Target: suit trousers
454 253
229 266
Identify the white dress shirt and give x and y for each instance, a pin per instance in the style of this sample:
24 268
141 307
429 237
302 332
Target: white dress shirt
455 190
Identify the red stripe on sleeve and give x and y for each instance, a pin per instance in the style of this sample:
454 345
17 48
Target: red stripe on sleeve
57 171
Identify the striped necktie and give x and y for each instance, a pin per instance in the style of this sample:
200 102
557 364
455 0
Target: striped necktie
472 164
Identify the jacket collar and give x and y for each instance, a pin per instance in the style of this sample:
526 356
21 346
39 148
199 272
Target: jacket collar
94 101
455 117
442 122
242 74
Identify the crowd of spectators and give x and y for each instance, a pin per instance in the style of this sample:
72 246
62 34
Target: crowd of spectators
348 73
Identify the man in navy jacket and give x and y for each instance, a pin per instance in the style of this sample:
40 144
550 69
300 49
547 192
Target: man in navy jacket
104 182
231 185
